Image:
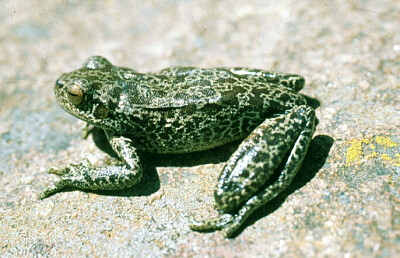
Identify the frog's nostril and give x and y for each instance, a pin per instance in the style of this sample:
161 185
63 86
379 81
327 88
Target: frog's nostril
299 84
59 83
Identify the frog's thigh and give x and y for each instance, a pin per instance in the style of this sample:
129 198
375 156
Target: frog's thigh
304 114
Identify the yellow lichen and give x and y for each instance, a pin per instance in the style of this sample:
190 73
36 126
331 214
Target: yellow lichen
373 155
354 152
377 147
397 160
385 141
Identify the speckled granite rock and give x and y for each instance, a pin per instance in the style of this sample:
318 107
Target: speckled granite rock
346 200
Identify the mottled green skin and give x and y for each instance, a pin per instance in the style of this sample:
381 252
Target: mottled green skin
186 109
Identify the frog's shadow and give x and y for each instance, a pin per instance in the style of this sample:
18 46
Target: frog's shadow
150 183
318 152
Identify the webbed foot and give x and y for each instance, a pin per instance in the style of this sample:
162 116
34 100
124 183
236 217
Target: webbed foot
70 175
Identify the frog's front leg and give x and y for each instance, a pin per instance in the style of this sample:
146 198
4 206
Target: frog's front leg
243 185
88 177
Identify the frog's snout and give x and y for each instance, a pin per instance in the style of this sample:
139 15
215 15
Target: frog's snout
59 83
299 83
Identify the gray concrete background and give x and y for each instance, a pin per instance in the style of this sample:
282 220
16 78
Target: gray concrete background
346 200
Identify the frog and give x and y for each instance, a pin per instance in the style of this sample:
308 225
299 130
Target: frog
188 109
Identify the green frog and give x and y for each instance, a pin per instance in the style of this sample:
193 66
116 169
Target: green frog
188 109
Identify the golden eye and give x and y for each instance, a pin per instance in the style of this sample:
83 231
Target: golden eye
75 94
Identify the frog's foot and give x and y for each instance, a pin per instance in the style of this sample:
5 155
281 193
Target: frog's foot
227 223
65 174
85 176
212 224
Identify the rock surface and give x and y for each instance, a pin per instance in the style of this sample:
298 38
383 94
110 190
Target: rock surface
346 199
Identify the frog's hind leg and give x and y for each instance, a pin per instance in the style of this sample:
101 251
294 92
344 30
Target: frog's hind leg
85 176
288 134
285 178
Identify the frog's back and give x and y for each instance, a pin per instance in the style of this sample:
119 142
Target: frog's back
190 109
178 87
186 86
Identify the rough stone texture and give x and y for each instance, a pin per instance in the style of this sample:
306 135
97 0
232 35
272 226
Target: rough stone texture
346 200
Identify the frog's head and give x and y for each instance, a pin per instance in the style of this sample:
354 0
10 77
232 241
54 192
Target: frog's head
87 93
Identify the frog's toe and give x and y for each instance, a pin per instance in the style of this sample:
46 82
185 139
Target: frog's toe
87 130
212 224
65 180
231 229
227 223
45 193
56 171
54 188
70 169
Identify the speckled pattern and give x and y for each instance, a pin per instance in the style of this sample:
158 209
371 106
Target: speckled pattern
186 109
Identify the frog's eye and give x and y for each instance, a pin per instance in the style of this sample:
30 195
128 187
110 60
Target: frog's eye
75 94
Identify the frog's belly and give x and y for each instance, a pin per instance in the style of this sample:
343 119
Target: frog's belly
182 143
196 134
